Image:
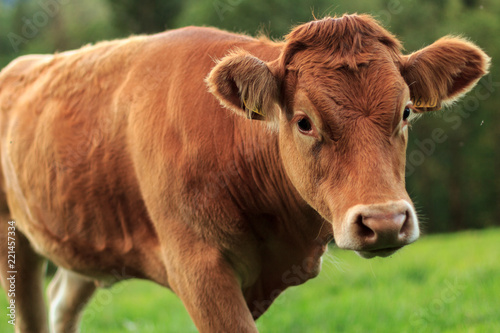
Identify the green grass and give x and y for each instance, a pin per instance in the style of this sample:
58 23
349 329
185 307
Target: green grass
442 283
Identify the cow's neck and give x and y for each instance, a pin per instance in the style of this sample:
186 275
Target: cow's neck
263 191
257 159
292 236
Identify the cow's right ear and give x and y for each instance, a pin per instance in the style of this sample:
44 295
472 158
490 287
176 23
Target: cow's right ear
246 85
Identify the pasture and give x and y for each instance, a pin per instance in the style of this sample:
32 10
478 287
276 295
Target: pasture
442 283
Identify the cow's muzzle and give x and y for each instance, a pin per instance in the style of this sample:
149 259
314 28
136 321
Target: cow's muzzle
378 229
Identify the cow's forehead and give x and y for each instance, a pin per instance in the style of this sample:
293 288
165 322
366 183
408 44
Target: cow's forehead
351 61
373 88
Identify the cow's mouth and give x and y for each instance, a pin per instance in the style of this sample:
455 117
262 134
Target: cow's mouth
378 253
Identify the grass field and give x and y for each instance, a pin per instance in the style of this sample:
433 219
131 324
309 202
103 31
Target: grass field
442 283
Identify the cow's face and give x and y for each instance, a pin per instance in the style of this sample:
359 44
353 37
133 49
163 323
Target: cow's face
341 96
343 142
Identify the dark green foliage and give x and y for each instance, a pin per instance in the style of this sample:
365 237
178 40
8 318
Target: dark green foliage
145 16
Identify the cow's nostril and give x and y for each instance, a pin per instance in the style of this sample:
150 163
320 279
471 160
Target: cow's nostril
407 227
364 230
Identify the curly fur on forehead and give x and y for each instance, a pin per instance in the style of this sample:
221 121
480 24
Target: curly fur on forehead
346 41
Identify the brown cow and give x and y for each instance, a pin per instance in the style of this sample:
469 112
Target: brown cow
118 162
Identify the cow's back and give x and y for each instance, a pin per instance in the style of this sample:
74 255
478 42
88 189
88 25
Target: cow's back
91 137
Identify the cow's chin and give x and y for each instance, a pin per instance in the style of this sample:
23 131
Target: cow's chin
377 253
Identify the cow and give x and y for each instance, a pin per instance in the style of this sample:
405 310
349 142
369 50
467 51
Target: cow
215 164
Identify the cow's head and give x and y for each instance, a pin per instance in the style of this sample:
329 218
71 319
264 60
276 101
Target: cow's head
341 96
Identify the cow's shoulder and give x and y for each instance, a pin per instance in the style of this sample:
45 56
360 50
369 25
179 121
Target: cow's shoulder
19 69
24 64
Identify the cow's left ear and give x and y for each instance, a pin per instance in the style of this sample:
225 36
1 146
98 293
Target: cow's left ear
442 72
246 85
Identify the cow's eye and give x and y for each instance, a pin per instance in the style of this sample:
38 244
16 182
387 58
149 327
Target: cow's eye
304 125
406 113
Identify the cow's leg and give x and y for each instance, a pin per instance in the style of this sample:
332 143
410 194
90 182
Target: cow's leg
25 287
68 294
207 285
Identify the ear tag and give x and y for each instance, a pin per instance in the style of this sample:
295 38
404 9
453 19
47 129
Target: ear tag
430 104
254 110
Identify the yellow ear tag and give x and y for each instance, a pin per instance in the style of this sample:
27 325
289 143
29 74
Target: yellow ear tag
421 103
254 110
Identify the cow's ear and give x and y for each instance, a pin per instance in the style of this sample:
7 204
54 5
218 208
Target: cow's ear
246 85
442 72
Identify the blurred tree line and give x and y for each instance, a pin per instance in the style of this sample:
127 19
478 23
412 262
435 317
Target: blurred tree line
453 182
